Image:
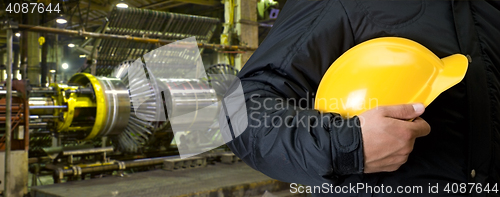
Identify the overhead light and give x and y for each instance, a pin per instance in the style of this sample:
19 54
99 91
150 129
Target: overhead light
65 66
71 45
83 56
61 21
122 5
52 71
18 34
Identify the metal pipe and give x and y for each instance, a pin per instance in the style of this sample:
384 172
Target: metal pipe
126 37
13 107
42 92
56 50
38 124
43 65
41 88
26 113
38 159
15 66
5 118
49 107
13 92
128 164
88 151
83 50
43 117
8 110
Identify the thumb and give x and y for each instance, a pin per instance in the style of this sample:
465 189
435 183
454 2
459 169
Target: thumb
403 112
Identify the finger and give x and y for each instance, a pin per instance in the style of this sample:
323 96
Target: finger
420 128
403 112
407 130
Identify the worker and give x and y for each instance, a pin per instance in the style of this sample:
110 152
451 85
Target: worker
451 148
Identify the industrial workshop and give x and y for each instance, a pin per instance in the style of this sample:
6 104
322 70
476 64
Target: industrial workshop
249 98
69 126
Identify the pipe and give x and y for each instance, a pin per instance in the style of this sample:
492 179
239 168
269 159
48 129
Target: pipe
88 151
49 107
15 67
125 37
24 54
115 166
12 118
43 117
56 50
12 107
38 159
43 92
26 114
12 92
8 110
88 40
43 64
38 124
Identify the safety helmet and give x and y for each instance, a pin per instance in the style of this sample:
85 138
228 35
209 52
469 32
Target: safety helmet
386 71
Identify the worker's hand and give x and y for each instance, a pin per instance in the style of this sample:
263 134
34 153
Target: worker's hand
388 136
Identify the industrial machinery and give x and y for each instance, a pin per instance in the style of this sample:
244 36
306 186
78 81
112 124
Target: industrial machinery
85 108
91 126
90 107
107 54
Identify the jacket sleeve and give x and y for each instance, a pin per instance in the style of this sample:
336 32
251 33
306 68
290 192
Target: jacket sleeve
286 138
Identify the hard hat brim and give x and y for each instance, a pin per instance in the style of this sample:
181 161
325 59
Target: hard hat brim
455 67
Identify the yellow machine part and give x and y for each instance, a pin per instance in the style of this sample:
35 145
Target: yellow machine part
99 102
386 71
74 101
61 99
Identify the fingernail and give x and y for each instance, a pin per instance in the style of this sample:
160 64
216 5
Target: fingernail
419 108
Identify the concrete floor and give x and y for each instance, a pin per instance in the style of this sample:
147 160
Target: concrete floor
214 180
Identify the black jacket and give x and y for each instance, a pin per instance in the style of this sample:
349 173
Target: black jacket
464 144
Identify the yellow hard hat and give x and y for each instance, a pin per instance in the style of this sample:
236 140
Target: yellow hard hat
386 71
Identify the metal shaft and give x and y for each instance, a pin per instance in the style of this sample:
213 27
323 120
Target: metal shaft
43 117
43 91
8 110
49 107
5 92
128 164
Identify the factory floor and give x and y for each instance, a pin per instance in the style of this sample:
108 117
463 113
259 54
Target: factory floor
214 180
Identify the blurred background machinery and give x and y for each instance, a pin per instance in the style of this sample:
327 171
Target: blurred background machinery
66 109
146 23
89 125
